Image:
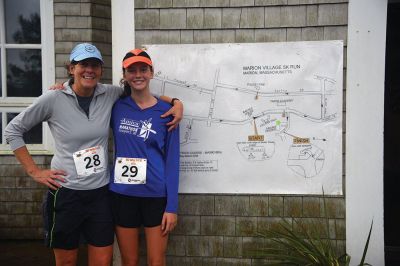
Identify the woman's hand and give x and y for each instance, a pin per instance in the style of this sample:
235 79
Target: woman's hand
47 177
177 113
168 223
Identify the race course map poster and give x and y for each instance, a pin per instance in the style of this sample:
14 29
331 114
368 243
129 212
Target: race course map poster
259 118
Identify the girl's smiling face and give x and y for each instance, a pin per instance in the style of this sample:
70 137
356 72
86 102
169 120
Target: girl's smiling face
138 76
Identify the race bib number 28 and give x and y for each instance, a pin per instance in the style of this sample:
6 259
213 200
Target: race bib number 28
89 161
130 170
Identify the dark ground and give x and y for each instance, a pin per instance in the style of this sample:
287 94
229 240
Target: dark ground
31 252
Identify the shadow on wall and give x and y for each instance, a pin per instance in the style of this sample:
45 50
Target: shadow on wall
31 252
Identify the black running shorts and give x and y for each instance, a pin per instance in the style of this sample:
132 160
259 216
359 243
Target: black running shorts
134 212
70 214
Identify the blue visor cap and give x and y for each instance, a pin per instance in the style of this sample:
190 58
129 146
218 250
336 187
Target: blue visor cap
84 51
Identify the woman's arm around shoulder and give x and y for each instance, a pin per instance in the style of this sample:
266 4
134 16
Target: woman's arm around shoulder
176 111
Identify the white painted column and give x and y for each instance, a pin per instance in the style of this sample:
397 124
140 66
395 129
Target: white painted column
123 34
48 60
364 128
123 40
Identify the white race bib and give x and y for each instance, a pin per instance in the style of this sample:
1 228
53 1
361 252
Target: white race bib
89 161
130 171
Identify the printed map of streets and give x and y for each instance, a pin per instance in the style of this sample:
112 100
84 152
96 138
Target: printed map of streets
259 118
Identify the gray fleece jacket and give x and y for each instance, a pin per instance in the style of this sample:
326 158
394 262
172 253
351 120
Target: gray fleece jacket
71 128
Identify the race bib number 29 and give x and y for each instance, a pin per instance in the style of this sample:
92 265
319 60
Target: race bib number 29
130 170
89 161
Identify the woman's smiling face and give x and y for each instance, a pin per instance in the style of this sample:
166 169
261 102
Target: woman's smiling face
87 73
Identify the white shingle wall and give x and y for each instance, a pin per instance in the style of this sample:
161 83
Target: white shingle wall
78 21
239 21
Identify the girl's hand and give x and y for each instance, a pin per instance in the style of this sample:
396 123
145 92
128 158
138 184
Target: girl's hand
57 86
177 112
168 223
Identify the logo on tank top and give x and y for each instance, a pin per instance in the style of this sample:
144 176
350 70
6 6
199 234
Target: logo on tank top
141 129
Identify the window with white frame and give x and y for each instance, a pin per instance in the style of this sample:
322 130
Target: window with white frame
26 63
